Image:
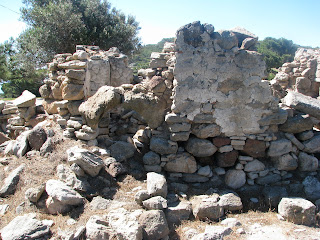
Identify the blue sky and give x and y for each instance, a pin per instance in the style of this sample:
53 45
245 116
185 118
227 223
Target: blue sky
297 20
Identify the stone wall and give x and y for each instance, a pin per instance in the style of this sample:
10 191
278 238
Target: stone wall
302 75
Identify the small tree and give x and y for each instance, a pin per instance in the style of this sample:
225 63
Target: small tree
56 26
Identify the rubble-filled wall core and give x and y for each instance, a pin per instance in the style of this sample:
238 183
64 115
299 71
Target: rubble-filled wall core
217 81
302 75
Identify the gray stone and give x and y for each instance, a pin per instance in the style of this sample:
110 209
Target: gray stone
294 141
21 144
98 227
122 150
154 224
312 145
55 206
276 118
286 162
231 222
37 137
163 146
151 158
4 209
269 179
311 187
179 127
25 227
235 178
279 147
33 194
306 135
227 39
230 201
140 196
303 103
11 181
157 184
307 162
155 203
206 130
180 136
60 191
88 161
200 147
100 203
254 166
206 207
26 99
125 224
115 169
177 212
298 211
297 124
215 232
183 162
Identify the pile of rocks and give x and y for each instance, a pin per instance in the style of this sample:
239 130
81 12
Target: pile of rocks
302 75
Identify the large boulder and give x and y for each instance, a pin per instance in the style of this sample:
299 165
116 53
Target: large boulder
279 147
122 150
235 178
105 99
163 146
26 99
298 211
37 137
297 124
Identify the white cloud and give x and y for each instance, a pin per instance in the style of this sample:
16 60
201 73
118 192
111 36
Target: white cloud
11 29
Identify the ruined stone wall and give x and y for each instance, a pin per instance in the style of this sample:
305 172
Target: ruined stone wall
302 75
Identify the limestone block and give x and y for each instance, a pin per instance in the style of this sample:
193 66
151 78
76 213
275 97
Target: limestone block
200 147
26 99
183 162
279 147
76 64
72 92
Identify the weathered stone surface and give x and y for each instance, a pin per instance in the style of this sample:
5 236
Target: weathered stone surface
55 206
72 92
230 201
177 212
154 225
89 162
25 227
277 118
206 130
200 147
155 203
105 99
49 106
37 137
297 124
235 178
255 148
33 194
297 210
303 136
75 64
307 162
100 203
21 144
78 74
150 107
179 127
279 147
115 169
157 184
11 181
183 162
215 232
122 150
312 145
125 224
163 146
98 227
60 191
227 159
206 207
141 195
294 141
194 178
151 158
26 99
3 138
254 166
227 39
221 141
311 187
285 162
303 103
